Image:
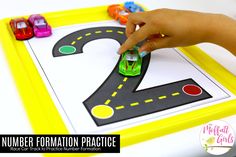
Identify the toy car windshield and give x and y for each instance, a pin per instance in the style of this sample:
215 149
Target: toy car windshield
21 25
131 57
40 23
123 12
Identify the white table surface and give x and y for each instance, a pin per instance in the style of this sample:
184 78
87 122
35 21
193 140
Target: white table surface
185 143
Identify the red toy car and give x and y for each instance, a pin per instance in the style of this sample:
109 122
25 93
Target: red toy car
21 29
119 13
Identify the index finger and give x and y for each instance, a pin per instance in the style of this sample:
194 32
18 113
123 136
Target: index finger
134 19
135 38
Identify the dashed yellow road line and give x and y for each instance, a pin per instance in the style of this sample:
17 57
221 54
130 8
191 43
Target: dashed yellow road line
97 32
73 43
162 97
109 31
120 107
120 32
125 79
88 34
114 94
79 38
148 100
120 86
107 101
175 94
134 104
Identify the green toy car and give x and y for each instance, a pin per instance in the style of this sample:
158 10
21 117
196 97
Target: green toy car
131 63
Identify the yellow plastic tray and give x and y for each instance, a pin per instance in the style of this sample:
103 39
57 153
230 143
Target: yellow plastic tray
44 116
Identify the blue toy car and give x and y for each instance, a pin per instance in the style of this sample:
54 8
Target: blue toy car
132 7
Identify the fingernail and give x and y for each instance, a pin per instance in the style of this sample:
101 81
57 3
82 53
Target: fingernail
143 53
118 51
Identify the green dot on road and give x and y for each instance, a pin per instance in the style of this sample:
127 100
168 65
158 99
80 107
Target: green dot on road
67 49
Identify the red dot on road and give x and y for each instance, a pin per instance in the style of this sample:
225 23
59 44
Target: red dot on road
192 90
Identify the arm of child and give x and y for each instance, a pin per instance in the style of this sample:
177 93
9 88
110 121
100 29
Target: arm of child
163 28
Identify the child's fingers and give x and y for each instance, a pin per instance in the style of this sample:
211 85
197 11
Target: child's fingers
134 38
130 28
153 44
134 19
154 36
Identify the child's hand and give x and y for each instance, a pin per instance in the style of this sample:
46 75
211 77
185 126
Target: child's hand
164 28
